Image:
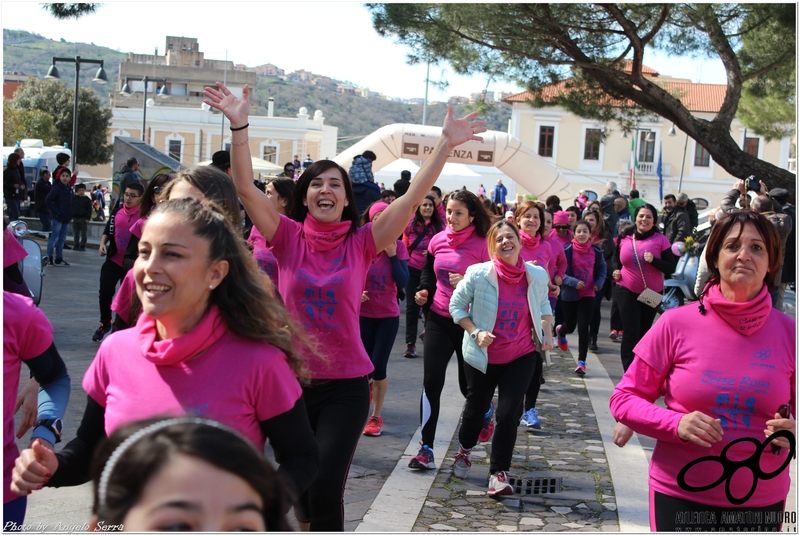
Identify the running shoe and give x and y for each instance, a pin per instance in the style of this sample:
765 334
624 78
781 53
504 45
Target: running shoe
530 419
613 334
410 352
592 344
620 337
104 329
374 426
488 425
498 485
61 262
424 460
580 369
563 344
463 464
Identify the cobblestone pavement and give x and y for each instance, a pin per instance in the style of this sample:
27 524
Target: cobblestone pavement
568 446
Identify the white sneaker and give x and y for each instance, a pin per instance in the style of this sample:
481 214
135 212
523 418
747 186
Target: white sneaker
463 464
498 485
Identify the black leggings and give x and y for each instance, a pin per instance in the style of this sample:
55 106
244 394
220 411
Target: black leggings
531 396
110 275
512 379
442 337
337 410
615 316
378 335
676 514
578 314
636 318
596 315
411 308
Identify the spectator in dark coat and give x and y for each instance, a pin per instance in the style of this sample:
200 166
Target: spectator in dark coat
402 185
780 195
59 201
676 224
784 224
13 186
607 204
40 191
81 214
690 207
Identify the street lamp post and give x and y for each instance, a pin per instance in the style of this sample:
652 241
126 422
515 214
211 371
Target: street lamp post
164 92
100 78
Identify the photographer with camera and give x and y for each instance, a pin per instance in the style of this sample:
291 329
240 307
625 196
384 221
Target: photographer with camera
739 197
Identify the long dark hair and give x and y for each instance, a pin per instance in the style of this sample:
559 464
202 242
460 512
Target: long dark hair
153 190
475 207
299 211
140 459
284 188
418 223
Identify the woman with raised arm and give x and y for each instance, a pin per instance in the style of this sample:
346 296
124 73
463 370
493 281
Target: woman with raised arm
323 257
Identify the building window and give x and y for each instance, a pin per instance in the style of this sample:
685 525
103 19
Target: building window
174 148
546 141
751 146
270 154
646 149
593 137
196 62
701 156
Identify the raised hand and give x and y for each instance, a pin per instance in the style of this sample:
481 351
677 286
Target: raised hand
458 131
237 110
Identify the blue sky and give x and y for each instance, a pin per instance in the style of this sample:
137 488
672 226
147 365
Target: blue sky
331 38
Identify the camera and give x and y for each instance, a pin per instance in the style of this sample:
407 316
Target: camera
752 184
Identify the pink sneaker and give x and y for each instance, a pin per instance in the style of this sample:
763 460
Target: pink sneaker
374 426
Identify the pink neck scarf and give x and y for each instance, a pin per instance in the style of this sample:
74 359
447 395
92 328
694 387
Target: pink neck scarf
745 318
528 241
581 247
177 350
324 236
508 273
454 239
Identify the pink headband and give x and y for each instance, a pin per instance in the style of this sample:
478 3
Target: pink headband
376 209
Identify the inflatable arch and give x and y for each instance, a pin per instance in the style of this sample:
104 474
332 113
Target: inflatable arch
498 149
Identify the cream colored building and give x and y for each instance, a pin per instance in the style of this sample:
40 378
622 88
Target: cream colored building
573 146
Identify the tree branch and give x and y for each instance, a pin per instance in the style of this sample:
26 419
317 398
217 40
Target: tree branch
664 15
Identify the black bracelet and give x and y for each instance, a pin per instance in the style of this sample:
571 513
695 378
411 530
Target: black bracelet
239 128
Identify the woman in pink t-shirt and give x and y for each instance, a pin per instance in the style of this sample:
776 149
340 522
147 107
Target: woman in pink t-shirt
643 255
425 224
211 341
324 257
380 311
503 309
281 192
448 255
726 366
530 216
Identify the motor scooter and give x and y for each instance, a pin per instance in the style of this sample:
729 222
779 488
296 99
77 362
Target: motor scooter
679 288
34 265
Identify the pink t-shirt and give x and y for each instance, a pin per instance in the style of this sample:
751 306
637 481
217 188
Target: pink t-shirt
630 274
123 221
13 252
743 387
448 260
322 291
541 256
514 326
418 256
555 238
263 255
124 297
236 381
442 212
26 334
138 227
583 269
557 266
381 287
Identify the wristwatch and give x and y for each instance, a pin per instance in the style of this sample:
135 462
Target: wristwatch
474 334
55 425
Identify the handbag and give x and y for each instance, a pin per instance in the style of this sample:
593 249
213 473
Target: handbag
648 297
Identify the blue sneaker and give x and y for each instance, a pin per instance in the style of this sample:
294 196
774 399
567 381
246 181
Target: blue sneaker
530 419
563 344
488 425
580 369
424 460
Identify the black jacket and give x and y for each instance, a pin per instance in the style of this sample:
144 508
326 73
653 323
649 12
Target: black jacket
81 208
59 202
40 191
401 187
676 224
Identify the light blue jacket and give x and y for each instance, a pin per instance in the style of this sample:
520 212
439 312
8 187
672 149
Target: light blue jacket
477 297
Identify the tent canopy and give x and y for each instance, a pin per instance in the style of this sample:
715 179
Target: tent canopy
258 166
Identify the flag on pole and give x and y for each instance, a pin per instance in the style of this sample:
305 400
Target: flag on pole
633 163
660 171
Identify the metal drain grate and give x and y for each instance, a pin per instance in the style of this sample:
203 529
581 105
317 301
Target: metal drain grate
536 485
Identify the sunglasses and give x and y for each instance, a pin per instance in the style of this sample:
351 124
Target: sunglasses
561 227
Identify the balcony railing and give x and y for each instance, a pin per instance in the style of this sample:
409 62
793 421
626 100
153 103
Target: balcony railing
647 168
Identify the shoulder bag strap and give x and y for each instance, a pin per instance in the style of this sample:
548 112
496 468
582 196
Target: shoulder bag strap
638 261
417 241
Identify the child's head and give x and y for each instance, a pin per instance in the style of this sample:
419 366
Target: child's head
184 473
80 189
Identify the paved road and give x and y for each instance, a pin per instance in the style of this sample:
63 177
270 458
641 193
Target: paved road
378 478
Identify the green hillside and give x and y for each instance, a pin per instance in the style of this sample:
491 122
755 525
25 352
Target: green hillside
355 117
